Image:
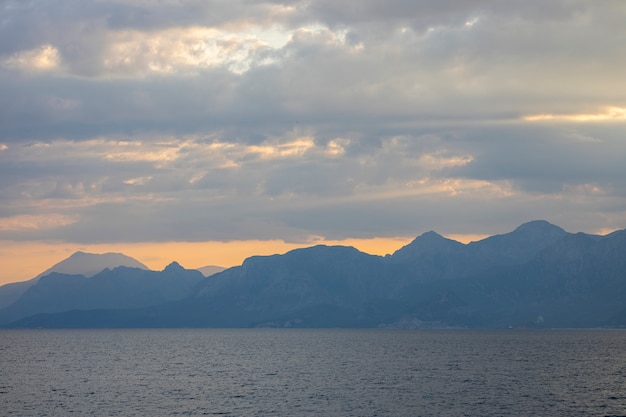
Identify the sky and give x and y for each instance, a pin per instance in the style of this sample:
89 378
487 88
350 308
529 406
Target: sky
207 131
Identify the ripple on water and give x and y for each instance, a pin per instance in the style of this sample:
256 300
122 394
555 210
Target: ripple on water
312 372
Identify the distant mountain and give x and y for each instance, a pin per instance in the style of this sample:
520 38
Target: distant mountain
117 288
9 293
80 263
272 286
209 270
535 276
519 245
579 281
431 256
89 264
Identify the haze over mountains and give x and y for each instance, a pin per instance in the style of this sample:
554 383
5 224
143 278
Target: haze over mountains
209 270
86 264
535 276
89 264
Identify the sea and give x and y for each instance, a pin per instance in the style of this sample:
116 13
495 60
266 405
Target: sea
290 372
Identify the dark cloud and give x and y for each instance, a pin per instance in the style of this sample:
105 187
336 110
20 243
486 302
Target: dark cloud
547 158
200 120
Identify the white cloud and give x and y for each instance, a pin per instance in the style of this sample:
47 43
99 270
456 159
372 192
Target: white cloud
43 58
291 149
337 147
608 114
138 181
188 50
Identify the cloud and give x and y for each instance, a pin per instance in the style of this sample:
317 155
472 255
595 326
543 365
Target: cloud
35 222
610 113
346 65
190 50
297 186
44 58
196 120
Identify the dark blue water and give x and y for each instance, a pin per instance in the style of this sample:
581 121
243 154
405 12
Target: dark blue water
312 373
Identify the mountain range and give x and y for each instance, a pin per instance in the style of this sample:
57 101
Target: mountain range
86 264
536 276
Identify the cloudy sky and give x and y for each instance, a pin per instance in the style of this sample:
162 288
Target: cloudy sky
209 130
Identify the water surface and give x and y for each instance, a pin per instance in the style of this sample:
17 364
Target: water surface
312 372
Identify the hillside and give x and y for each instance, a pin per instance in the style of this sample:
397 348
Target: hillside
79 263
535 276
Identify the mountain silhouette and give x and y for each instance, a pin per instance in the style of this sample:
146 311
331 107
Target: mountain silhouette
89 264
117 288
209 270
81 263
538 275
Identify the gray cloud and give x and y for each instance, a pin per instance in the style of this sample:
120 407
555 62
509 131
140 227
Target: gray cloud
209 120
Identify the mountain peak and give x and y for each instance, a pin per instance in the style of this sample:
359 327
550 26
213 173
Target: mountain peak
539 226
433 238
209 270
428 244
521 244
174 267
431 235
89 264
80 253
539 230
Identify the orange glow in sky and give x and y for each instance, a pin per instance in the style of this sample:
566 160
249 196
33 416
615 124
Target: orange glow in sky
22 261
25 260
